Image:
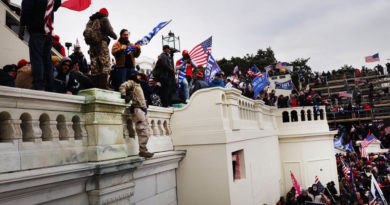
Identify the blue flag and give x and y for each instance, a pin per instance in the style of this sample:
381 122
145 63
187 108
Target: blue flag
146 39
348 147
339 142
285 85
259 83
254 69
212 68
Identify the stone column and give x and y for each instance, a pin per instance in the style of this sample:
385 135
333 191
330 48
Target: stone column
103 121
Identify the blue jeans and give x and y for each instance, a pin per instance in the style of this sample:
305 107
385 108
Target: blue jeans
41 65
186 89
123 74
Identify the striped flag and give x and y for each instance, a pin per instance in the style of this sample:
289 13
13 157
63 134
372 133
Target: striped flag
268 68
345 169
319 184
281 65
254 71
146 39
373 58
199 54
363 152
296 185
369 139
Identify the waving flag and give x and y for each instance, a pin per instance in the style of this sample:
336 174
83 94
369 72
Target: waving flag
268 68
199 54
296 185
146 39
369 139
281 65
339 142
259 83
345 169
320 187
376 194
348 147
288 85
373 58
76 5
235 70
363 153
212 68
254 71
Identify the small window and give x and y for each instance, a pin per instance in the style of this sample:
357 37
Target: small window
282 76
274 78
238 165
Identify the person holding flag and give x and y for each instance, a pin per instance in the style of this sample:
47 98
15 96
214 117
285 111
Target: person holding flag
125 61
184 67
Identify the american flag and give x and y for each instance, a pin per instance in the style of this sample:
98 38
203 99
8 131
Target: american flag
281 65
254 71
199 53
235 70
375 193
373 58
369 139
268 68
345 169
363 152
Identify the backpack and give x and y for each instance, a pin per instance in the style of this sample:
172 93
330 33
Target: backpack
92 33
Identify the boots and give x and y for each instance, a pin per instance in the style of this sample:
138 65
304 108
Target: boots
100 80
146 154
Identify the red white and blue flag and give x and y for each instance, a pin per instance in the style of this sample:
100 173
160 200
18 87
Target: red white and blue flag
254 71
373 58
76 5
235 70
375 194
281 65
369 139
363 152
199 54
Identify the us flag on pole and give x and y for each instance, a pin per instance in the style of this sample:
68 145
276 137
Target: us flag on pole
369 139
345 169
199 53
373 58
363 152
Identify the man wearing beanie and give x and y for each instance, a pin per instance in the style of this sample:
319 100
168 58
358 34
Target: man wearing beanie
199 83
96 35
38 16
65 82
24 77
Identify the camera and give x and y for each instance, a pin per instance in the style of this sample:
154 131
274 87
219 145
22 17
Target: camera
68 44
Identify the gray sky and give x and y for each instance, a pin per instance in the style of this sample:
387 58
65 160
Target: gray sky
331 32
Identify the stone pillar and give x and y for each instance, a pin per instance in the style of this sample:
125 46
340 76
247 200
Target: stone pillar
103 121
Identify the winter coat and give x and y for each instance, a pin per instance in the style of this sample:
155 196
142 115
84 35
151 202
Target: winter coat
24 77
217 83
33 13
6 79
164 67
199 84
64 82
85 81
81 61
105 26
125 60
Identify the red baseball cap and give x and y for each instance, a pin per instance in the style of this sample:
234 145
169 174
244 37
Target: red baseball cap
22 63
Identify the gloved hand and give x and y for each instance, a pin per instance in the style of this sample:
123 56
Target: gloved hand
127 98
129 49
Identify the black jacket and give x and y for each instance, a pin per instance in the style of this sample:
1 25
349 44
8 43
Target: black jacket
81 61
5 79
65 82
164 67
33 13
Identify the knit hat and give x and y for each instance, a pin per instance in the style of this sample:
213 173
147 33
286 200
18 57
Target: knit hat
55 59
22 63
56 37
104 11
65 59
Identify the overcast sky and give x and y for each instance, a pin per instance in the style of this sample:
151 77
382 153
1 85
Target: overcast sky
331 32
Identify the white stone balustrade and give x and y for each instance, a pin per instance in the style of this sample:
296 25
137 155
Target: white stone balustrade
294 120
42 129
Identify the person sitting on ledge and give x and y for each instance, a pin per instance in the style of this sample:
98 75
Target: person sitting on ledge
131 90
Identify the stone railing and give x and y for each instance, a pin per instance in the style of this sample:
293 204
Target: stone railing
227 110
42 129
295 119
